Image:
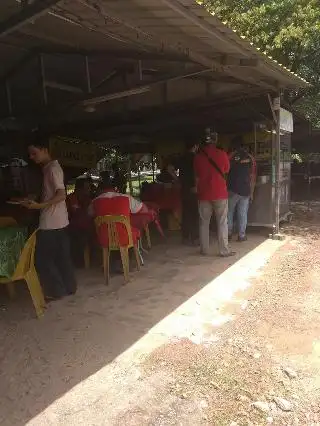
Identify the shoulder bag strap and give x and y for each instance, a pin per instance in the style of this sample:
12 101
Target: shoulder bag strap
213 164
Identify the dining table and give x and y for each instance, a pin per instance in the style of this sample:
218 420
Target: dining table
12 241
166 197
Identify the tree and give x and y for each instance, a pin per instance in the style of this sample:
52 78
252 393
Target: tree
289 31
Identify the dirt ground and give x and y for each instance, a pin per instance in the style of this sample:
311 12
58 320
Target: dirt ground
189 341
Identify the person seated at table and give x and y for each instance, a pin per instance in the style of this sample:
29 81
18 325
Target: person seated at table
141 215
80 199
120 180
168 175
107 190
81 226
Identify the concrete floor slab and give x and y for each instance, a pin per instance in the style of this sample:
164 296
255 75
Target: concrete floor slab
76 365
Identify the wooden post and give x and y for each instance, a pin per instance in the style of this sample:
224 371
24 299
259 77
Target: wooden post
309 183
276 150
139 177
9 98
43 79
255 140
87 72
129 176
277 172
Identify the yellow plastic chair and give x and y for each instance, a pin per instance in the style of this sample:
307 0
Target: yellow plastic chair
111 223
174 221
7 221
148 237
25 270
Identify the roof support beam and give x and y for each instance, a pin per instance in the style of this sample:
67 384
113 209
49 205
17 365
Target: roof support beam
204 60
249 62
227 70
157 120
65 87
26 14
193 56
139 89
59 49
231 61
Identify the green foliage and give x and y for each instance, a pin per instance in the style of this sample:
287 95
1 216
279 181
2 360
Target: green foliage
289 30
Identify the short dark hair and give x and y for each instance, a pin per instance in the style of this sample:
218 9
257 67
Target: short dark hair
237 142
80 183
106 179
40 140
191 144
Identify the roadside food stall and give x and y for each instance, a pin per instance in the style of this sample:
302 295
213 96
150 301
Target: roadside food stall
269 179
162 67
261 142
157 70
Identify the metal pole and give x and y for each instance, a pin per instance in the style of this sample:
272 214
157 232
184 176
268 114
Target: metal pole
152 162
88 79
277 169
139 177
309 170
129 176
9 98
43 79
255 140
140 70
309 183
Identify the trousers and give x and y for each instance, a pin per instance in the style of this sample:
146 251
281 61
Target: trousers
220 210
190 216
241 204
53 263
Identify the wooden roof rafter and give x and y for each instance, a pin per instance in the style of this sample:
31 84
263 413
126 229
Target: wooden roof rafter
27 13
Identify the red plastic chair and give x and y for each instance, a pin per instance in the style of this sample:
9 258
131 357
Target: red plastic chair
115 232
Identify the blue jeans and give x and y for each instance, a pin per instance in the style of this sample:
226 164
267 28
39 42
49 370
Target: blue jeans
240 203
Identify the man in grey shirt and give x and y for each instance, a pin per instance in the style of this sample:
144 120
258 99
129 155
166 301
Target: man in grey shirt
53 259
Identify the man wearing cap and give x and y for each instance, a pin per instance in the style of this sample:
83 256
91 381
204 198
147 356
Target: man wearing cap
241 183
211 167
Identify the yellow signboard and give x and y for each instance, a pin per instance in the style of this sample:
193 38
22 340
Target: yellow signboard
73 153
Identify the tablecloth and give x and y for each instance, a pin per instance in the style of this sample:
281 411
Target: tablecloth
12 241
140 220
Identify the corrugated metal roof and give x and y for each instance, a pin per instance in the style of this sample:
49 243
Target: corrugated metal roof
174 25
120 30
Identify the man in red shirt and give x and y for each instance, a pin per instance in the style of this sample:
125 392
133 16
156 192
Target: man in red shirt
97 207
211 167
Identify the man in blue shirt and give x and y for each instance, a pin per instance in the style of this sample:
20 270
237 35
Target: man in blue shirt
241 181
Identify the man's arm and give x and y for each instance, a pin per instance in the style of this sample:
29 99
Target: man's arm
59 196
137 206
91 210
195 170
226 166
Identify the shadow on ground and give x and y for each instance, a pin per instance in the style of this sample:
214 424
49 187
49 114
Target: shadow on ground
41 360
